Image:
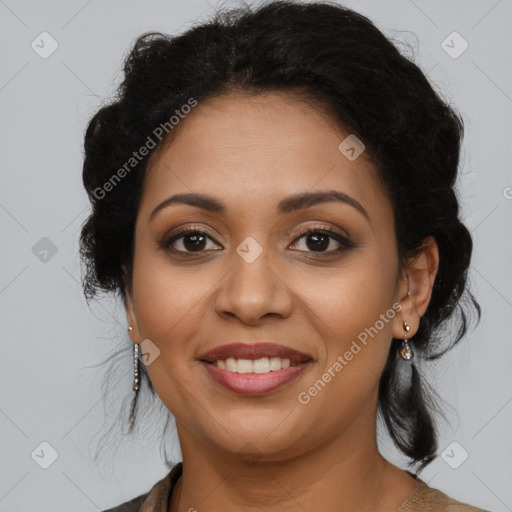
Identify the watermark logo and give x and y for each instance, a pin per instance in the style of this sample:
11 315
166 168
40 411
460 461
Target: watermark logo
454 455
249 454
44 455
149 352
454 45
44 250
249 249
44 45
351 147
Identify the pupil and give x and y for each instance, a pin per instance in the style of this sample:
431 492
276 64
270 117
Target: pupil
196 243
319 245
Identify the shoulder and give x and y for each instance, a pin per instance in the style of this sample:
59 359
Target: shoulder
156 499
428 499
130 506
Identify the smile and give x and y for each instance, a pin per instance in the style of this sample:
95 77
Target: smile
253 369
262 365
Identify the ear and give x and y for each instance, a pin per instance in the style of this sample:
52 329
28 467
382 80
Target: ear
129 306
414 290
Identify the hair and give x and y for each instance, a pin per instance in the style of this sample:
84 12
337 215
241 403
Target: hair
333 58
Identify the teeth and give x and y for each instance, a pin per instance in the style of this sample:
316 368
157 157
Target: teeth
275 364
231 364
244 366
262 365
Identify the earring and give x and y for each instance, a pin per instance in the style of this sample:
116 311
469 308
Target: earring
406 350
136 367
136 379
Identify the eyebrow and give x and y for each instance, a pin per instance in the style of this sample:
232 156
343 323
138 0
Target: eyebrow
289 204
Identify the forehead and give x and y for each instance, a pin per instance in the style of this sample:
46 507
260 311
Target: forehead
256 149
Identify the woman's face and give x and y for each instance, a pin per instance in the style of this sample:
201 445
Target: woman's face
249 276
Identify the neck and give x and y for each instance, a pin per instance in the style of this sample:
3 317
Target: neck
347 473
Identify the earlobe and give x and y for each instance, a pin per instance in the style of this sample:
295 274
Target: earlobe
132 328
415 290
131 318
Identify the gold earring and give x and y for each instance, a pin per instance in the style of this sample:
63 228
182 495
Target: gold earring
406 350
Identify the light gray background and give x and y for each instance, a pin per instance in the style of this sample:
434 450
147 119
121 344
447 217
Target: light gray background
49 336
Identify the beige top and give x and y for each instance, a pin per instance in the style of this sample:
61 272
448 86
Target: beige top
422 498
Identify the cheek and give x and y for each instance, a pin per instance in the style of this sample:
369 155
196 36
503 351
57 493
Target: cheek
356 339
351 297
353 311
168 304
166 295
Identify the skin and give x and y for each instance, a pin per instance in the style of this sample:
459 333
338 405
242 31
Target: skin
250 152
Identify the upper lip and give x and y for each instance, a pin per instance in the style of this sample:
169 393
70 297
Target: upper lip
254 351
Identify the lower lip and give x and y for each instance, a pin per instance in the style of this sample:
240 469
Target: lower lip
254 383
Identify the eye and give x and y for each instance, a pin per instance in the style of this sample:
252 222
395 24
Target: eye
190 239
321 239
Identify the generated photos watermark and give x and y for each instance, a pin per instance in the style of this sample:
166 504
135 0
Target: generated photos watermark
158 133
305 397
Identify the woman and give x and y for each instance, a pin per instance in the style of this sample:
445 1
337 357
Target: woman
273 199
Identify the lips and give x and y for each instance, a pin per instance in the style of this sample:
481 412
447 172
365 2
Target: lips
277 366
254 351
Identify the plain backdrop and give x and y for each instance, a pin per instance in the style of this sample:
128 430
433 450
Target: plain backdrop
50 391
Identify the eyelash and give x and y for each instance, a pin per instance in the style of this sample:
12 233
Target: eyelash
345 244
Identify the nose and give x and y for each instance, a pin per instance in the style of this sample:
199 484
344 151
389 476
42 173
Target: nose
253 290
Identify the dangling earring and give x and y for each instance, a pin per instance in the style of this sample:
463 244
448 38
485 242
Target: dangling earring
406 350
135 363
136 367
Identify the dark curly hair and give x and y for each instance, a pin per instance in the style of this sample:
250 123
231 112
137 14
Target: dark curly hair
333 58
